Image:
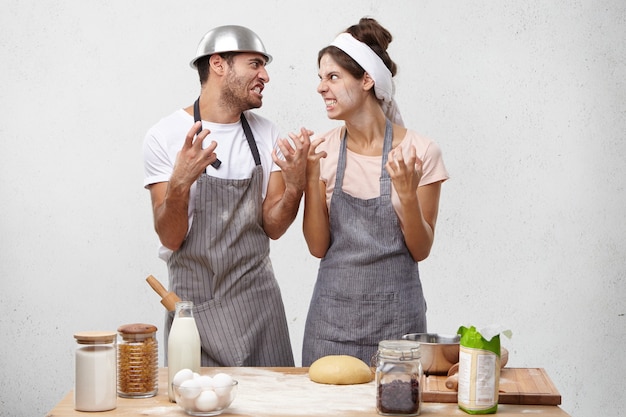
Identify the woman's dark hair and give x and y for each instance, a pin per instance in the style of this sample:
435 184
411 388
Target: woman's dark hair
371 33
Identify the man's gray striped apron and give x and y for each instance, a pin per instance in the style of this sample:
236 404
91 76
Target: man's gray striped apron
224 267
368 287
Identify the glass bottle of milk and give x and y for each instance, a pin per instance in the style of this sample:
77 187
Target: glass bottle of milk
183 344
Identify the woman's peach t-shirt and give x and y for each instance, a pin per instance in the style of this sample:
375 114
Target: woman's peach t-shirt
361 179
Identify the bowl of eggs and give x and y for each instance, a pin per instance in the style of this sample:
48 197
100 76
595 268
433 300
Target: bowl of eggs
203 395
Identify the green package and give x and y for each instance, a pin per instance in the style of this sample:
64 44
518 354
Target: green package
479 371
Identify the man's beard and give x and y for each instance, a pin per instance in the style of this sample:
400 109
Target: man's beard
235 94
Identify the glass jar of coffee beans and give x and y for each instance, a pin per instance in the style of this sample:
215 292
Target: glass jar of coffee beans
398 377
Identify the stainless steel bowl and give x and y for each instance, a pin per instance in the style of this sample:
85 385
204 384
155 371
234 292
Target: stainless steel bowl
230 38
438 351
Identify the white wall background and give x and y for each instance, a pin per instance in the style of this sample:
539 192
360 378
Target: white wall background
527 100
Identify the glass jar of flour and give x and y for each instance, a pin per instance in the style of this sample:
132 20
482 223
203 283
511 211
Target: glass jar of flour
96 367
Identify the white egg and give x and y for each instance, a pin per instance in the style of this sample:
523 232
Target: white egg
205 382
222 380
222 385
196 375
206 401
182 375
189 389
187 403
224 400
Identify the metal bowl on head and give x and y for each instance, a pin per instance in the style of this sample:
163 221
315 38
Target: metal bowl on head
230 38
438 351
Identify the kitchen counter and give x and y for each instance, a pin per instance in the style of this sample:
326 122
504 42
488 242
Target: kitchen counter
275 392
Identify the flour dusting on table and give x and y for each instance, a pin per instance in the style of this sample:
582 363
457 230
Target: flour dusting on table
278 394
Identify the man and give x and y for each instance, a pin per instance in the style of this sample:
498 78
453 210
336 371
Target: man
221 187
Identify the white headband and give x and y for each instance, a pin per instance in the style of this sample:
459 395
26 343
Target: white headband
374 66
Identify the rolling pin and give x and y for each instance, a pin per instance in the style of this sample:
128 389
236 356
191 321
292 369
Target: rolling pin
168 298
452 381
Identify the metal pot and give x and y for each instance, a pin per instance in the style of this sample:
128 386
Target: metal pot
438 351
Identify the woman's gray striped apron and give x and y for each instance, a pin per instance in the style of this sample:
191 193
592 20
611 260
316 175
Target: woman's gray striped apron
368 287
224 267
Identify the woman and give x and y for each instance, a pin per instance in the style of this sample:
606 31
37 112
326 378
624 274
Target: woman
371 204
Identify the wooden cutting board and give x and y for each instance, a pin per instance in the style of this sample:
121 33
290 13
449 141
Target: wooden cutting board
528 386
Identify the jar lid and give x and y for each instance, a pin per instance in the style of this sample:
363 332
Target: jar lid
137 331
93 337
400 349
137 328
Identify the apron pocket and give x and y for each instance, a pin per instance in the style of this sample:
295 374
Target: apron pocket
355 318
218 334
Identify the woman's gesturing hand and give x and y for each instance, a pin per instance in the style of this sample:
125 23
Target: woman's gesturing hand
405 174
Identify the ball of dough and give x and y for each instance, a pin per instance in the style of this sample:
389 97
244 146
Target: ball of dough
340 370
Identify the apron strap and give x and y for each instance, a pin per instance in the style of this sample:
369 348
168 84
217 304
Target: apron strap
196 117
385 180
341 162
246 130
250 138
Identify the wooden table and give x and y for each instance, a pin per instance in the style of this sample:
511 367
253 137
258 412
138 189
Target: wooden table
275 392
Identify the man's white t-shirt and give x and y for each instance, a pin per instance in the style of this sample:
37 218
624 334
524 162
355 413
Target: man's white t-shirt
165 139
